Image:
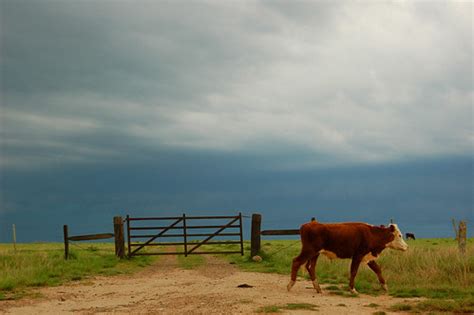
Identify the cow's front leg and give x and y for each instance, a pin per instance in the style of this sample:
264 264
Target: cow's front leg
311 267
354 267
378 271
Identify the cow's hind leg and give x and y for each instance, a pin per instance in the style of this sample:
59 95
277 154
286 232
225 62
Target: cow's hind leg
378 271
354 267
295 266
311 267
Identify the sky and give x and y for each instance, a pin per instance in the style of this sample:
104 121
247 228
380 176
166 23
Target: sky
342 110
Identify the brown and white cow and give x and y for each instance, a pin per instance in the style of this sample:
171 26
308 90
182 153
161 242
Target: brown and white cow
359 241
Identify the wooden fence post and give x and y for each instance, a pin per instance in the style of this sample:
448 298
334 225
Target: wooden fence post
255 234
118 235
185 235
66 242
462 236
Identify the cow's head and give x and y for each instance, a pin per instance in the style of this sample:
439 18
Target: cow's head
397 242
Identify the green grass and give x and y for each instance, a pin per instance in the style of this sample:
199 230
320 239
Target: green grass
289 306
269 309
401 307
437 305
300 306
333 288
464 305
431 268
43 264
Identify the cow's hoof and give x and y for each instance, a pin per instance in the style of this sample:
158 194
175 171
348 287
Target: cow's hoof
353 291
290 285
317 287
384 287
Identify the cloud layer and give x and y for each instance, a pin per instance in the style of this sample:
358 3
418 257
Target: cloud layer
322 83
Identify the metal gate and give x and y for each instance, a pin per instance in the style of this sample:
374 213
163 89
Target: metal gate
185 231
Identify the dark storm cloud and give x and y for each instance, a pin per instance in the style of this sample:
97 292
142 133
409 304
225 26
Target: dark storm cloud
355 82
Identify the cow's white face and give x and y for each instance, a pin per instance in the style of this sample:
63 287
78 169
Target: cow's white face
398 242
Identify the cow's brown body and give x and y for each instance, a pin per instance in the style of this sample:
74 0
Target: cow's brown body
359 241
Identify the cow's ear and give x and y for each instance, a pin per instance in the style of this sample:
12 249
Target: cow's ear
392 228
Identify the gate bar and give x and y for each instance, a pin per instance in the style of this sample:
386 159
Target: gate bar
241 239
128 236
182 253
212 217
178 228
175 218
179 243
181 235
154 218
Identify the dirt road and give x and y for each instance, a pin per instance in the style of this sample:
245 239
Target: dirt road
164 288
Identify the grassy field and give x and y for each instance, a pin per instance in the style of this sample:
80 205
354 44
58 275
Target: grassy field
43 264
431 268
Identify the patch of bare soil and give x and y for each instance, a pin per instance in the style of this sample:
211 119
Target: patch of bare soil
164 288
